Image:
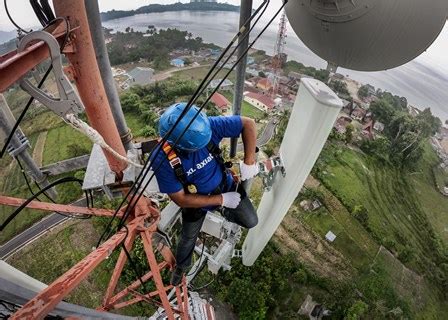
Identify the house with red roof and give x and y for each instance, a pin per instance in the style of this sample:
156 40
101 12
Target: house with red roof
221 102
265 85
259 101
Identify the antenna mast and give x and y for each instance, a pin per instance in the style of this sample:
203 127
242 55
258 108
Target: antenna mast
280 56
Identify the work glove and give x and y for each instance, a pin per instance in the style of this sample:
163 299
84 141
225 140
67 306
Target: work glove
248 171
231 199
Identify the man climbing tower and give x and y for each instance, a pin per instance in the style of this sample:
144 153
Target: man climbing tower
191 170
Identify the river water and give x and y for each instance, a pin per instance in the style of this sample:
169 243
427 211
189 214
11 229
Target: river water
422 81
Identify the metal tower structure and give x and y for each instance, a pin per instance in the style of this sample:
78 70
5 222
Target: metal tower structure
280 56
73 32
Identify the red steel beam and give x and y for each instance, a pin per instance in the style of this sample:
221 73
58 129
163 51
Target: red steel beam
147 246
64 208
119 267
46 300
139 298
14 66
133 286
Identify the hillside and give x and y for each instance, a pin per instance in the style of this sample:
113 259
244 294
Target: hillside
155 8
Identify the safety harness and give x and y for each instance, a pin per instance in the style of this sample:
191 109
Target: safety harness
176 165
147 147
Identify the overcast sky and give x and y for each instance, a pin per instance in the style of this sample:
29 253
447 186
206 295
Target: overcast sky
21 11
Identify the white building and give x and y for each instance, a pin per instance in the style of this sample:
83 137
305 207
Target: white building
259 101
141 76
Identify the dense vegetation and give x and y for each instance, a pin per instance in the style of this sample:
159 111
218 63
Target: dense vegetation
340 87
131 46
154 8
404 135
295 66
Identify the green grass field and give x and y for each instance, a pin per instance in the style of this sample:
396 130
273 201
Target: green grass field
13 184
134 122
247 109
59 142
199 73
403 209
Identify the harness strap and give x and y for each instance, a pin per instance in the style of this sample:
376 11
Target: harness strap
176 165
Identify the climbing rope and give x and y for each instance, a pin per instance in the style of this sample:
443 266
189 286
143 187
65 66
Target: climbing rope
96 138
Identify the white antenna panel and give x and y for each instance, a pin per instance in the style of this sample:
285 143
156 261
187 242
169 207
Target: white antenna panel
312 118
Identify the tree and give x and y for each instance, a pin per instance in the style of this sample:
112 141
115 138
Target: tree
349 133
130 102
360 213
357 310
363 92
147 131
429 124
340 87
212 111
378 148
382 111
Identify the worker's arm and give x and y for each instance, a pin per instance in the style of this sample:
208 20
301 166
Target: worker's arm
229 200
185 200
249 135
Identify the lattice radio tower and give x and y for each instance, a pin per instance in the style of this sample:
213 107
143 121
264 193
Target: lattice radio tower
280 56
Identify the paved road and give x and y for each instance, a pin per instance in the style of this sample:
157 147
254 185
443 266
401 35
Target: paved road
265 136
34 232
268 132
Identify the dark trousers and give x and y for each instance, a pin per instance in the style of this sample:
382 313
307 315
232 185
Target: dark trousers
244 215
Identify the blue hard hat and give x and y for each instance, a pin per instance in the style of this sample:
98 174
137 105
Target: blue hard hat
198 134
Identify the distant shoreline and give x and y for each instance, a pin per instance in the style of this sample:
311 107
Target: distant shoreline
156 8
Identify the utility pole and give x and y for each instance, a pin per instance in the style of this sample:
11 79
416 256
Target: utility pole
18 146
102 57
245 14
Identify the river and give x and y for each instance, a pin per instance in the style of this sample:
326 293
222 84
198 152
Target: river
423 82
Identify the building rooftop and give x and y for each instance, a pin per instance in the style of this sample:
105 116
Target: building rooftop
136 72
267 101
220 101
216 82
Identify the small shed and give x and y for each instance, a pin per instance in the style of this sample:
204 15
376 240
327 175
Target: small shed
330 236
141 76
178 63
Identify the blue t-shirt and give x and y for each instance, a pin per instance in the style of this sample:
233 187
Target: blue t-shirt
200 167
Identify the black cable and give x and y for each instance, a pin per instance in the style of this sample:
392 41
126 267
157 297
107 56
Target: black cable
143 173
80 217
47 10
22 115
194 97
132 205
44 78
233 52
200 257
23 205
38 11
131 261
43 11
12 20
197 93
